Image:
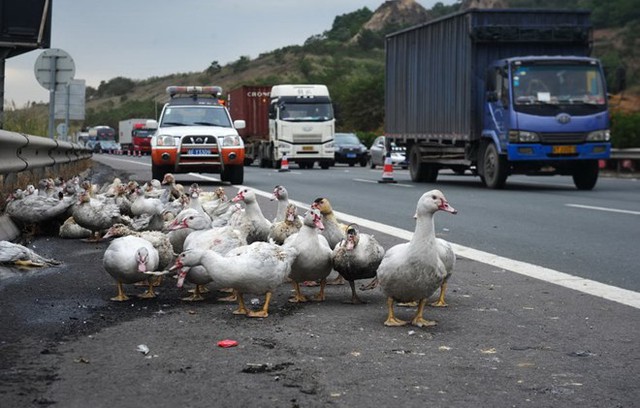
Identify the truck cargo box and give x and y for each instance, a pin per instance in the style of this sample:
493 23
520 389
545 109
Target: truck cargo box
435 72
251 103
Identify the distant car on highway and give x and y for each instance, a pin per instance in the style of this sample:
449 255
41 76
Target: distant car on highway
349 149
378 152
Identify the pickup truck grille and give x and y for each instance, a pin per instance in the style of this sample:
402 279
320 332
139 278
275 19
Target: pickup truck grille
199 150
563 138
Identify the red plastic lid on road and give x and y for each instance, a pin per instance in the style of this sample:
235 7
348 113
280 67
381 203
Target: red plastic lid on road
227 343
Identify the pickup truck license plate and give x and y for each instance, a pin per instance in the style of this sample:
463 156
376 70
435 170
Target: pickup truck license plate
563 150
199 152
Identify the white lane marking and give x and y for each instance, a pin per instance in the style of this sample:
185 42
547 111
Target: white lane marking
376 182
130 161
601 290
615 210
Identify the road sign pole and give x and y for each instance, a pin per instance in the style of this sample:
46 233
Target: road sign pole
52 93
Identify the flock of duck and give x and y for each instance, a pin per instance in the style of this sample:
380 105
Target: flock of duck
162 228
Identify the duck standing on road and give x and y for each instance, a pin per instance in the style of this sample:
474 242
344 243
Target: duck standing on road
314 260
258 268
357 257
413 271
127 259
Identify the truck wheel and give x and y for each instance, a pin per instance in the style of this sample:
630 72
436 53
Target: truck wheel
495 168
158 172
233 174
421 172
372 164
585 174
324 165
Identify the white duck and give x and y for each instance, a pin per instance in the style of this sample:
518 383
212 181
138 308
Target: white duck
159 240
16 254
357 257
282 195
71 230
258 268
218 205
95 215
259 225
413 271
187 221
314 260
221 240
291 224
127 259
33 209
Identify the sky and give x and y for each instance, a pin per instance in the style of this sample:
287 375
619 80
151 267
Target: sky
139 39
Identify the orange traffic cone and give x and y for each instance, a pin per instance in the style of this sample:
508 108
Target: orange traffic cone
284 164
387 172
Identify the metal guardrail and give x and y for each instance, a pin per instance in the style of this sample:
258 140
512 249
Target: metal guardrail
626 154
20 152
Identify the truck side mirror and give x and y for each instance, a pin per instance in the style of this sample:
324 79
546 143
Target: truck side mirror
492 96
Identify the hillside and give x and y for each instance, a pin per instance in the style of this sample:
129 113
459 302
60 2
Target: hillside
349 58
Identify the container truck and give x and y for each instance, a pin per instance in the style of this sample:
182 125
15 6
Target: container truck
196 134
300 122
499 92
135 135
251 103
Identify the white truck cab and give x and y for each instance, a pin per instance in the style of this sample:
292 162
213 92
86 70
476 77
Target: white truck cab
301 125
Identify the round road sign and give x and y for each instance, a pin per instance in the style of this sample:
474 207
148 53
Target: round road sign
60 61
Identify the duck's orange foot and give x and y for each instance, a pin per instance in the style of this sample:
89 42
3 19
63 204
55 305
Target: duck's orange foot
422 322
259 313
147 295
231 298
310 283
120 298
319 297
408 304
298 299
439 303
394 322
196 297
240 312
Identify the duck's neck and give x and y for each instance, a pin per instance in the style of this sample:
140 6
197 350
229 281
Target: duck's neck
424 232
253 209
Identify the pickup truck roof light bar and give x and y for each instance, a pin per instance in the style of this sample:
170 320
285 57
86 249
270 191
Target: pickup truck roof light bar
215 91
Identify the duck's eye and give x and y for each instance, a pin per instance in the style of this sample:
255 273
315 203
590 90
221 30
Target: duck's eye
434 197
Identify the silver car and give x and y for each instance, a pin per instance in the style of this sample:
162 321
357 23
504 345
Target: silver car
378 152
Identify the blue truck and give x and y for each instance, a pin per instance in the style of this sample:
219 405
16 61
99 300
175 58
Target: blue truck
498 92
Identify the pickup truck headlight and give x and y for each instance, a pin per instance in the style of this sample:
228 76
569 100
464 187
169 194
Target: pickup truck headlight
523 136
599 136
231 141
165 140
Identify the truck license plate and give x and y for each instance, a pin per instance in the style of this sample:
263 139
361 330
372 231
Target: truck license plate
307 148
199 152
563 150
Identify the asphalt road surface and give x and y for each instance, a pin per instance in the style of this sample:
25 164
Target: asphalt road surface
506 340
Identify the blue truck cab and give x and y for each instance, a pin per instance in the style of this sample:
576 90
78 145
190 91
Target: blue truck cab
498 92
545 112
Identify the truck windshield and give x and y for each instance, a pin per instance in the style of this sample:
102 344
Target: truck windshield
557 84
195 116
307 112
143 133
